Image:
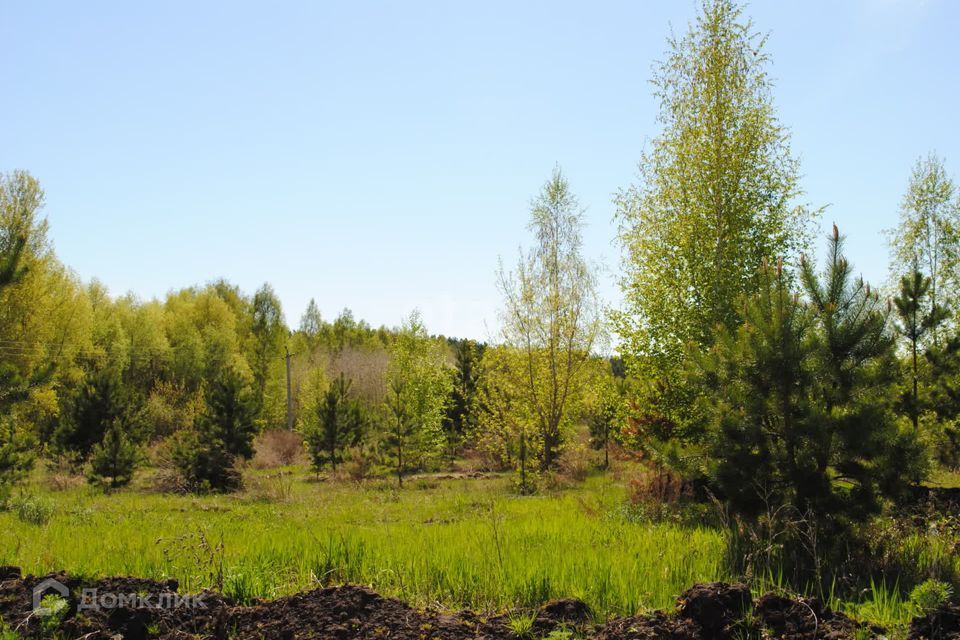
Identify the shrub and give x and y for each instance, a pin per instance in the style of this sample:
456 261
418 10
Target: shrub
929 595
277 448
575 461
359 464
171 408
655 484
32 509
204 465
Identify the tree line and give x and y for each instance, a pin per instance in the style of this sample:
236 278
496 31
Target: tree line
91 382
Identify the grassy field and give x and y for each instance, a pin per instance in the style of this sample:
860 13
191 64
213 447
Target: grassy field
453 542
460 542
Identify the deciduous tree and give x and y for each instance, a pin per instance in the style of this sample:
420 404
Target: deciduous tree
715 197
928 236
550 313
418 385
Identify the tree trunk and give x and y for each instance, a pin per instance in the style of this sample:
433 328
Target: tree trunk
523 463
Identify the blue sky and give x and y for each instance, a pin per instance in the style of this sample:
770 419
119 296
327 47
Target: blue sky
382 156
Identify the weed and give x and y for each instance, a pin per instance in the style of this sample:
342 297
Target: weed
560 633
32 509
929 595
53 609
521 624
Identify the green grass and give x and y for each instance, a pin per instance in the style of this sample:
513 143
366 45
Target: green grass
462 543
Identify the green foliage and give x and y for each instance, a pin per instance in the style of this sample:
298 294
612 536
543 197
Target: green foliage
206 456
927 238
24 268
506 427
268 333
715 194
797 405
929 595
605 411
550 315
16 456
115 458
917 320
419 385
333 423
6 633
52 612
31 509
944 399
461 414
101 401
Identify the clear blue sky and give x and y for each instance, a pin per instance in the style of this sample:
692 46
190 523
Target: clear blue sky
381 156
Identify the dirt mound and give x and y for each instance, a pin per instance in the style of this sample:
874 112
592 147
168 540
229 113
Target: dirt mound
152 609
717 606
801 619
655 626
940 624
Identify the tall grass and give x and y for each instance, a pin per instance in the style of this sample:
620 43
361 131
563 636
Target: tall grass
461 543
465 543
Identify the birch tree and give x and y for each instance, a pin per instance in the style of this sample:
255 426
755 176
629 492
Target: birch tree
550 312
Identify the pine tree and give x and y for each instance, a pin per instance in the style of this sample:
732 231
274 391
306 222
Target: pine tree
918 318
206 456
461 414
797 410
333 424
101 400
229 419
114 459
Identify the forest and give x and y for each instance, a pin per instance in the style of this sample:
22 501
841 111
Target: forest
753 413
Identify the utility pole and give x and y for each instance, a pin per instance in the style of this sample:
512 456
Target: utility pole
289 394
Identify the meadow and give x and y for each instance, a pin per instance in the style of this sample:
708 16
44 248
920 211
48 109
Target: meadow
449 541
458 542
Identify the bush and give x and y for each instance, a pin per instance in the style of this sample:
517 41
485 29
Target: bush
930 595
277 448
171 408
656 484
32 509
359 464
575 461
